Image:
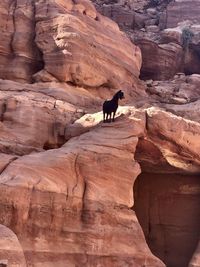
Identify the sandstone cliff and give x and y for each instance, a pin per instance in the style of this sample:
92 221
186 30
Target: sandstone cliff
76 191
167 32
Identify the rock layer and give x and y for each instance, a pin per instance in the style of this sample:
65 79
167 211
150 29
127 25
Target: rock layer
17 46
11 252
66 198
179 11
172 233
33 118
159 28
73 205
61 41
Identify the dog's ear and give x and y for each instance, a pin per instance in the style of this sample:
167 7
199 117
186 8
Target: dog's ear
120 91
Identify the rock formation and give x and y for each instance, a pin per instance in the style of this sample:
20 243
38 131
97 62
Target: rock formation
79 192
61 41
11 252
159 29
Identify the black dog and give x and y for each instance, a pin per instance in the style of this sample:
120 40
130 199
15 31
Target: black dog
110 106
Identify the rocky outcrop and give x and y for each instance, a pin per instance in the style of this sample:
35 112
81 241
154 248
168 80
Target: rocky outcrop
74 51
196 258
169 179
160 29
33 118
72 196
89 181
61 41
167 206
11 252
160 61
17 46
179 11
76 191
179 95
62 213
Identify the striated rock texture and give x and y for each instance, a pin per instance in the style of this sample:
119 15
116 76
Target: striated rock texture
33 118
167 33
70 206
178 11
166 193
17 46
11 252
58 40
163 62
76 191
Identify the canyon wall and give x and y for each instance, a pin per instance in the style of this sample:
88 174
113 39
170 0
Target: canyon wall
167 33
79 192
67 203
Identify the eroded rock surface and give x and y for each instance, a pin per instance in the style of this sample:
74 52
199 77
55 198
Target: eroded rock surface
167 206
73 205
55 40
17 46
11 252
166 31
72 196
196 258
34 117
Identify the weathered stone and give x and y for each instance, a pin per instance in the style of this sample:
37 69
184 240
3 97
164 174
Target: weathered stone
35 41
11 252
167 206
72 195
33 117
17 46
160 62
181 10
74 204
124 17
195 261
152 28
151 22
73 51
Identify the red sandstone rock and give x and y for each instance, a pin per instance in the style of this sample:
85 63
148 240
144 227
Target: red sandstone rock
34 117
160 62
181 10
35 38
72 196
11 252
195 262
72 205
167 206
179 95
17 44
74 50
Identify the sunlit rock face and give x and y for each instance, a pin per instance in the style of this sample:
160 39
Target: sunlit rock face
72 205
11 252
33 118
71 186
67 42
82 47
17 46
